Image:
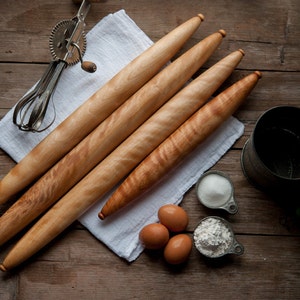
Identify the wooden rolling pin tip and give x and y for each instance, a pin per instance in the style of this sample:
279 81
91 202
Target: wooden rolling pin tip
2 268
223 32
101 216
201 17
242 51
258 73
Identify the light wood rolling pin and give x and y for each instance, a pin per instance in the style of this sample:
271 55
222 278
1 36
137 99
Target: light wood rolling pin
108 135
123 159
185 139
98 107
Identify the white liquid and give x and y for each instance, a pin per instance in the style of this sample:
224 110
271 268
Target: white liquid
214 190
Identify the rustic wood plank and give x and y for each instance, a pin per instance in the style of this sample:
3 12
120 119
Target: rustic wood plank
269 266
272 41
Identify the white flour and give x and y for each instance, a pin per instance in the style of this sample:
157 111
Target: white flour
213 237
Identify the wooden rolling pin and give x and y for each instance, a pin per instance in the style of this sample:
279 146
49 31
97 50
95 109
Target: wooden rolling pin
108 135
123 159
184 140
98 107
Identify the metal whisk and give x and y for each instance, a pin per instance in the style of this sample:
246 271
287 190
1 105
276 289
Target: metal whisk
67 45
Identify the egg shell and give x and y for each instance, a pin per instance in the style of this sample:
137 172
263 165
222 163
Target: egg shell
174 217
178 249
154 236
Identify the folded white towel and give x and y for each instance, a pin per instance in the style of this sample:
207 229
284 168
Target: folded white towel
112 44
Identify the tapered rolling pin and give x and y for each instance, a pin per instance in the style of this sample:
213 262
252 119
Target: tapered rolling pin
109 134
179 144
99 106
123 159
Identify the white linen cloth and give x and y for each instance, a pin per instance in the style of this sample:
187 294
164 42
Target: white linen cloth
112 44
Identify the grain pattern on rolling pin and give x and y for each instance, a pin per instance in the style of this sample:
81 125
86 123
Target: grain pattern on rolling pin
184 140
98 107
109 134
101 179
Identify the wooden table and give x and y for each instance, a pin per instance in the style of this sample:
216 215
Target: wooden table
76 265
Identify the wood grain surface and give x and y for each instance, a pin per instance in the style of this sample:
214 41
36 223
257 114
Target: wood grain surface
76 265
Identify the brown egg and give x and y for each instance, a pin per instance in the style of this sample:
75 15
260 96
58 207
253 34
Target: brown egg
173 217
178 249
154 236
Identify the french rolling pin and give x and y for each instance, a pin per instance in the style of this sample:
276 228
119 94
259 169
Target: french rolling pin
93 111
108 135
185 139
123 159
